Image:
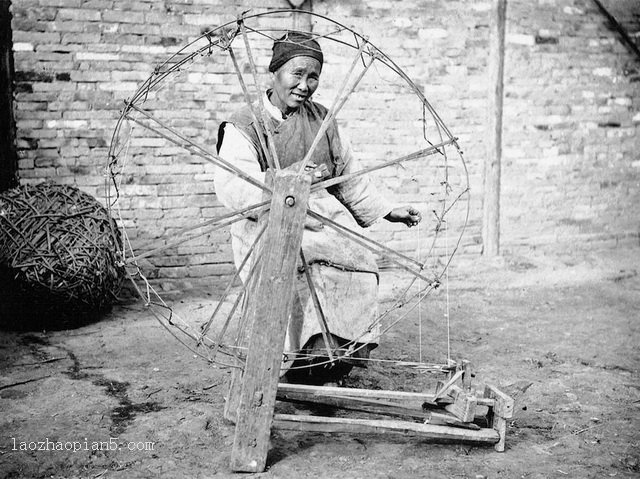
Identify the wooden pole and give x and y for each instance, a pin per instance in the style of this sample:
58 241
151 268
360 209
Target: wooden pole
8 154
332 425
499 413
302 21
492 166
626 39
268 318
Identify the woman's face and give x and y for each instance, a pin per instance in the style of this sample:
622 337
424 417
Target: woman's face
294 82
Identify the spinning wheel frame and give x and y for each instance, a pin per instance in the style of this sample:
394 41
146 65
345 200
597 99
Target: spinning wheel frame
222 38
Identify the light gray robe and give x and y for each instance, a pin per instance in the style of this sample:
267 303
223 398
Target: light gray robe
344 273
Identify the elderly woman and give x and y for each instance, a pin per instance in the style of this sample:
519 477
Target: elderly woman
344 274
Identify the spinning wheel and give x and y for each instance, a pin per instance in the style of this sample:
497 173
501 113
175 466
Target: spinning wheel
421 158
430 166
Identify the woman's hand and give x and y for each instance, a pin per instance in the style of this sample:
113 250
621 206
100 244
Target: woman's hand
317 172
404 214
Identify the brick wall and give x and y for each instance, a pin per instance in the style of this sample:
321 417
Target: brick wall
571 170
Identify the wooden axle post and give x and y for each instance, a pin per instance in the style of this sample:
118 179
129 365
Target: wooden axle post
499 413
268 319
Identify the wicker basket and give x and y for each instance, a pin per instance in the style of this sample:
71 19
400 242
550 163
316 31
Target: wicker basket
59 249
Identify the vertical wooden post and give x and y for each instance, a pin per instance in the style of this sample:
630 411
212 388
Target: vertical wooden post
499 413
232 401
467 374
492 166
273 296
301 21
8 154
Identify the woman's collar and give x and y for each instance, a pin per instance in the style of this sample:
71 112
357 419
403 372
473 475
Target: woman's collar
273 110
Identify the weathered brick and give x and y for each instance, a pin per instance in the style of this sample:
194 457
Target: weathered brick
60 3
101 57
23 46
99 4
67 26
80 38
36 37
201 20
117 86
79 14
216 269
120 16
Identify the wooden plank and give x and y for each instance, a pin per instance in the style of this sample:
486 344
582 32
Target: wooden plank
467 374
401 406
446 419
493 160
367 426
627 40
499 424
403 396
232 401
464 405
359 393
411 409
499 413
503 404
322 320
274 293
8 153
302 21
442 389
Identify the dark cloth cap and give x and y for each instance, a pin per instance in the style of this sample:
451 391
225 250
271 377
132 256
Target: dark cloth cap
294 44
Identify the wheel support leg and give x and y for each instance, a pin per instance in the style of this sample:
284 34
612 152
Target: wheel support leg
499 413
268 319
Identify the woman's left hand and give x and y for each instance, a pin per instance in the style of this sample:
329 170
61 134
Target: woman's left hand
404 214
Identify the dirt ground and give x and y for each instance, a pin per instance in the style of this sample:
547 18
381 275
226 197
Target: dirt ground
568 325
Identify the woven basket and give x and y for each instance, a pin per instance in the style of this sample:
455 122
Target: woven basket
59 249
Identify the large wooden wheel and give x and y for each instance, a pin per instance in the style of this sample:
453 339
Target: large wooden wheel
217 71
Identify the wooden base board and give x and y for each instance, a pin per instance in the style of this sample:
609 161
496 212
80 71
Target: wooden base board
453 422
407 399
446 418
384 426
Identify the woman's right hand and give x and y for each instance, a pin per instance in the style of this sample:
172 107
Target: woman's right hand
317 172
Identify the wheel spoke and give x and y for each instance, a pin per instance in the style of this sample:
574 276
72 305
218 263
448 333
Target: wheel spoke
256 118
242 294
371 245
338 103
249 284
194 148
205 328
266 122
208 229
412 156
322 320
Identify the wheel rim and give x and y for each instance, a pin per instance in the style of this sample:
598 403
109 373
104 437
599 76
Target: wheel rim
228 352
